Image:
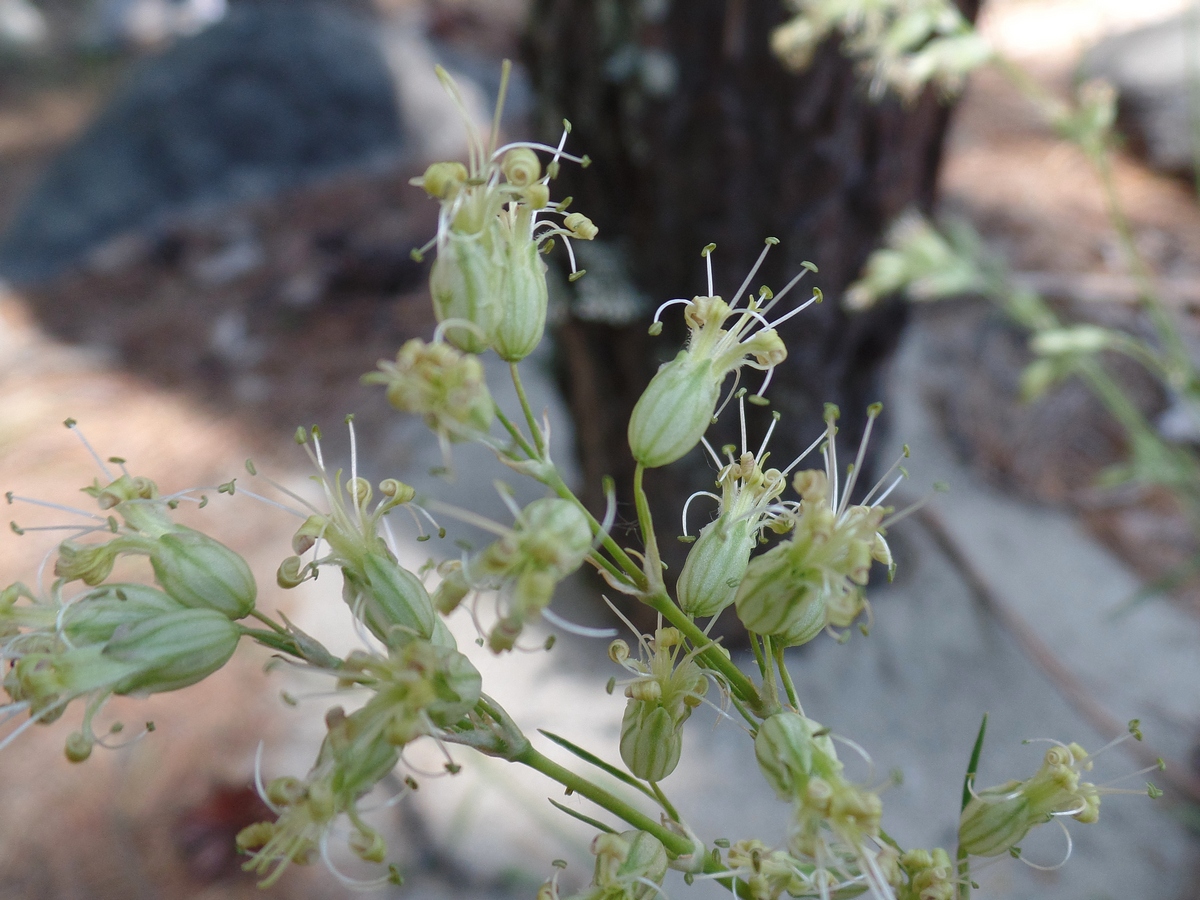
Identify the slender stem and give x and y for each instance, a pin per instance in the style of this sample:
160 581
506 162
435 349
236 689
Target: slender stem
623 559
677 845
269 622
515 432
786 676
756 646
529 416
666 804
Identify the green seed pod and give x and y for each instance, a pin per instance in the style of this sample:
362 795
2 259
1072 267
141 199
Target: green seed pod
714 566
202 573
522 301
651 740
675 410
172 650
388 598
790 750
94 617
992 825
776 597
465 282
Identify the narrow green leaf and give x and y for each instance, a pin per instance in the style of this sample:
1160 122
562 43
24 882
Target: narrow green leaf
596 761
587 820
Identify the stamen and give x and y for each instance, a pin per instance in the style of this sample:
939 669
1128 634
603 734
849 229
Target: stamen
737 297
775 417
59 507
571 628
799 459
362 884
688 503
1056 867
795 312
707 254
872 413
658 312
78 432
791 284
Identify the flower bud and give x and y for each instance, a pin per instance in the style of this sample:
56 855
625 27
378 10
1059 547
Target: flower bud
439 383
443 179
387 598
465 282
202 573
790 750
521 167
522 300
651 740
452 588
715 565
674 411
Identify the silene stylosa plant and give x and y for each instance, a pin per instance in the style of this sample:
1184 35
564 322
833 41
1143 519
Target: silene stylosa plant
84 637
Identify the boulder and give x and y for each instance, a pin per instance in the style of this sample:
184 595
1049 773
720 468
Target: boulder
277 93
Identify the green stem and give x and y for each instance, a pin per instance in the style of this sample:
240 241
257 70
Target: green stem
269 622
529 416
786 676
515 432
666 804
676 844
759 658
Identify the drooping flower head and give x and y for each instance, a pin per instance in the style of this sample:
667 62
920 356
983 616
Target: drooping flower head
748 504
416 689
815 579
835 823
666 687
997 819
679 403
488 281
387 598
548 540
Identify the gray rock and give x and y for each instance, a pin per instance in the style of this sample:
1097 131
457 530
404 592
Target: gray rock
273 95
1152 68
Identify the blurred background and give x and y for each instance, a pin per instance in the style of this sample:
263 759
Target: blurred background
205 236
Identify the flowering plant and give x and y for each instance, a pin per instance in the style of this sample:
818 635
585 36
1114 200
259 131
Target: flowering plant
411 682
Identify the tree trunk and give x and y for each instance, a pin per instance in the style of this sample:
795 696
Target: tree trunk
698 134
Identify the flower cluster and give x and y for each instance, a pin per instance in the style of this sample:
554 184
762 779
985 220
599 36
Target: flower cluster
119 638
997 819
903 44
678 405
667 686
488 281
549 539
